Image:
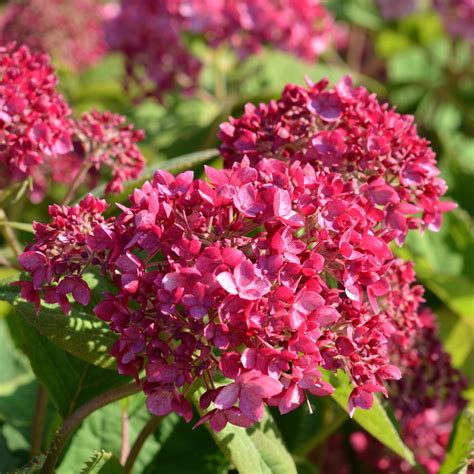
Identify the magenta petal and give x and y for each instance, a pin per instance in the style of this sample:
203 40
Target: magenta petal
251 404
81 292
227 396
160 402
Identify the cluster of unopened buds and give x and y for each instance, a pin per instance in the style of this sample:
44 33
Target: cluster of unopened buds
253 281
40 141
156 37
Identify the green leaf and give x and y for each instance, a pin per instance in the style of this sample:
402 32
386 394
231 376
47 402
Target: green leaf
102 430
81 333
70 381
375 421
102 462
461 445
303 431
256 450
185 451
445 261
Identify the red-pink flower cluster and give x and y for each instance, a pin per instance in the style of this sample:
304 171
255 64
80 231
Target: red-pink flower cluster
347 131
103 140
458 17
156 36
69 30
263 275
39 141
63 250
34 127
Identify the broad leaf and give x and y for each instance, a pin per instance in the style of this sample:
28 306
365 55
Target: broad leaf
461 445
304 431
256 450
80 333
375 421
70 381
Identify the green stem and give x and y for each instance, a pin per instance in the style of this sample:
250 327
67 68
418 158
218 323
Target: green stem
81 174
9 234
146 431
72 422
38 421
125 445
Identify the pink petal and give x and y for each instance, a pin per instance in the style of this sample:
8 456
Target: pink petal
227 396
226 280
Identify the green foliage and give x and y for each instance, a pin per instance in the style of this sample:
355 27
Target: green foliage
70 381
461 446
102 462
256 450
376 420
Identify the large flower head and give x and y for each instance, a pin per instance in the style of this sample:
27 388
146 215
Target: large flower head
261 275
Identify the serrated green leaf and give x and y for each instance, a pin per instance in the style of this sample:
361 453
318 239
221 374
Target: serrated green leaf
461 445
256 450
69 380
102 462
375 421
80 333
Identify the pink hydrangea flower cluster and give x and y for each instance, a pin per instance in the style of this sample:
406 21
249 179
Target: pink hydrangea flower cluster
40 141
103 140
155 36
345 130
458 17
69 30
33 117
267 271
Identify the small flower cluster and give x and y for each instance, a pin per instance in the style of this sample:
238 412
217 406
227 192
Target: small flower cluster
39 140
267 271
65 246
33 117
347 131
104 140
458 17
69 30
155 36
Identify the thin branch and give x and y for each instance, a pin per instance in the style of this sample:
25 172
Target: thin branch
125 446
77 182
9 234
72 422
146 431
39 417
